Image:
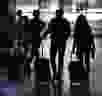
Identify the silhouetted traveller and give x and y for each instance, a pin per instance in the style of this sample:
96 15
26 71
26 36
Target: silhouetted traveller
84 40
20 17
37 26
59 28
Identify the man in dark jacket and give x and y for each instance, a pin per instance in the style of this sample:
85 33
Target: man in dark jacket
59 28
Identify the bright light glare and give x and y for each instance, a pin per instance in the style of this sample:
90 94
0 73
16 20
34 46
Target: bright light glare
52 7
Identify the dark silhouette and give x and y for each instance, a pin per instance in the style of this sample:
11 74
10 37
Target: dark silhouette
37 25
41 65
83 40
34 26
19 14
21 19
23 24
59 28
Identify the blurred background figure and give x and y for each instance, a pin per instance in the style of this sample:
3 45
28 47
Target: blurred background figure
43 3
20 17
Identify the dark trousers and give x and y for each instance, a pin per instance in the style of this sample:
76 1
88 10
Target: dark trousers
42 77
86 60
53 51
54 48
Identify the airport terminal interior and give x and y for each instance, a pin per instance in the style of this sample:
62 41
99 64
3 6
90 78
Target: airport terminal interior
93 12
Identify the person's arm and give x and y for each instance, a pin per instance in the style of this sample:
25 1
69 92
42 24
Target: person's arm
50 30
43 29
93 50
73 47
67 30
45 33
75 42
92 46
